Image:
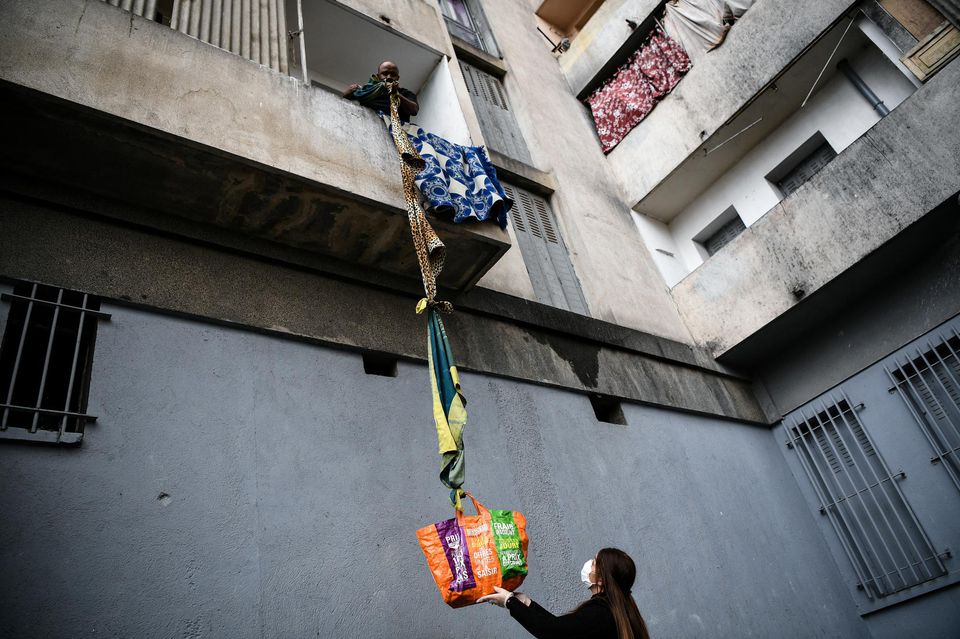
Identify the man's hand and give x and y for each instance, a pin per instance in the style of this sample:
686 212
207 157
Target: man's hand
393 87
350 89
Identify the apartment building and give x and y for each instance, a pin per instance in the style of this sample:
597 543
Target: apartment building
722 336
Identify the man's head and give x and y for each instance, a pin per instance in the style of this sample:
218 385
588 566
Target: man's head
388 72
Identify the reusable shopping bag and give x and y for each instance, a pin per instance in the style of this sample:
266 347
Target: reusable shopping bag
469 555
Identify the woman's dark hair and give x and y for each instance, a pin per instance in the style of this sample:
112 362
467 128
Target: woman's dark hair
616 573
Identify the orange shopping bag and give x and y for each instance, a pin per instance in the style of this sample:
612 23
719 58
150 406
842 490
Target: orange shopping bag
469 555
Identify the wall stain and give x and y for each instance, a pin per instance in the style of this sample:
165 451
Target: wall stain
584 358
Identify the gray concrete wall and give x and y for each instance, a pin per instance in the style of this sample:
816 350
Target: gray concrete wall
92 54
931 608
280 290
146 73
246 485
883 309
619 279
717 87
903 167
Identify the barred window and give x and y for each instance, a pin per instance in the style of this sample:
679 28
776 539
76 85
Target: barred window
877 528
927 379
45 361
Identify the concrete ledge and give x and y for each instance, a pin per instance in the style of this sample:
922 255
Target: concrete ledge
522 175
758 47
187 278
903 167
58 142
94 55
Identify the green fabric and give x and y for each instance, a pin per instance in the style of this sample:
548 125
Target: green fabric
450 412
374 88
506 538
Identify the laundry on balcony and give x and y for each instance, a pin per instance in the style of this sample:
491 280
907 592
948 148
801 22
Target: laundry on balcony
701 25
630 95
457 182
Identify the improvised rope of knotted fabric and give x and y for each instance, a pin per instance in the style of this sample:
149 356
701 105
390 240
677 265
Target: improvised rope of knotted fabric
430 250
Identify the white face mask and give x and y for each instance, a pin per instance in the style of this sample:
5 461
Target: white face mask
585 573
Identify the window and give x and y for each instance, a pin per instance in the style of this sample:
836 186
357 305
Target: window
720 232
544 254
802 164
878 530
45 361
466 22
927 379
500 128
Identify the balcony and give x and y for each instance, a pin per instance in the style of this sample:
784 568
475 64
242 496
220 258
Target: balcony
103 101
906 165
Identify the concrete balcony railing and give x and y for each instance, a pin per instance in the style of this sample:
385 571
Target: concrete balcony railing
902 168
105 101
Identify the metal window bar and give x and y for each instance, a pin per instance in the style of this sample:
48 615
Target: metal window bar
936 413
71 392
878 530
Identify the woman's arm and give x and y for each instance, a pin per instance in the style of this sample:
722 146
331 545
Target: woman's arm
591 620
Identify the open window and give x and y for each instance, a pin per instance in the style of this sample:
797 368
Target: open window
467 23
331 29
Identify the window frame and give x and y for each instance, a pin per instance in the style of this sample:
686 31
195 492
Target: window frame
73 345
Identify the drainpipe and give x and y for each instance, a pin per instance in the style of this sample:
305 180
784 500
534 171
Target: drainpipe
863 89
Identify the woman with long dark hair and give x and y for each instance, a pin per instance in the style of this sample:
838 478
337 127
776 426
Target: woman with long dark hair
610 612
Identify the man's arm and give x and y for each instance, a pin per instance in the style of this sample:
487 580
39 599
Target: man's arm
408 103
350 89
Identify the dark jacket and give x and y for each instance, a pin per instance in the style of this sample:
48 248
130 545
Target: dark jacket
593 619
382 101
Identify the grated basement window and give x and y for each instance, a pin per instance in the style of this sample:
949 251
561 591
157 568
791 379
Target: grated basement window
876 526
45 361
928 381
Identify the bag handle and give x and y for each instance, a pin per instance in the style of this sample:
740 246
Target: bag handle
481 509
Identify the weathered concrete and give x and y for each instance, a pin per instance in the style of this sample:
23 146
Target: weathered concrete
900 291
169 176
617 274
897 172
90 53
232 488
717 87
419 20
600 39
39 244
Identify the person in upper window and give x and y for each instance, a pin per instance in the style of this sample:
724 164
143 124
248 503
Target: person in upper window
376 92
611 613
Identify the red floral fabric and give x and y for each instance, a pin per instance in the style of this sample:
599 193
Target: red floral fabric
628 97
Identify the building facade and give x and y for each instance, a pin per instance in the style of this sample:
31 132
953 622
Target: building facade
730 345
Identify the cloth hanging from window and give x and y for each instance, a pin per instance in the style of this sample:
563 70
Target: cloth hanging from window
628 97
701 25
457 182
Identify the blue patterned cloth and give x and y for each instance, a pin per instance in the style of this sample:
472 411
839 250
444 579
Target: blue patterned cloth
458 182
